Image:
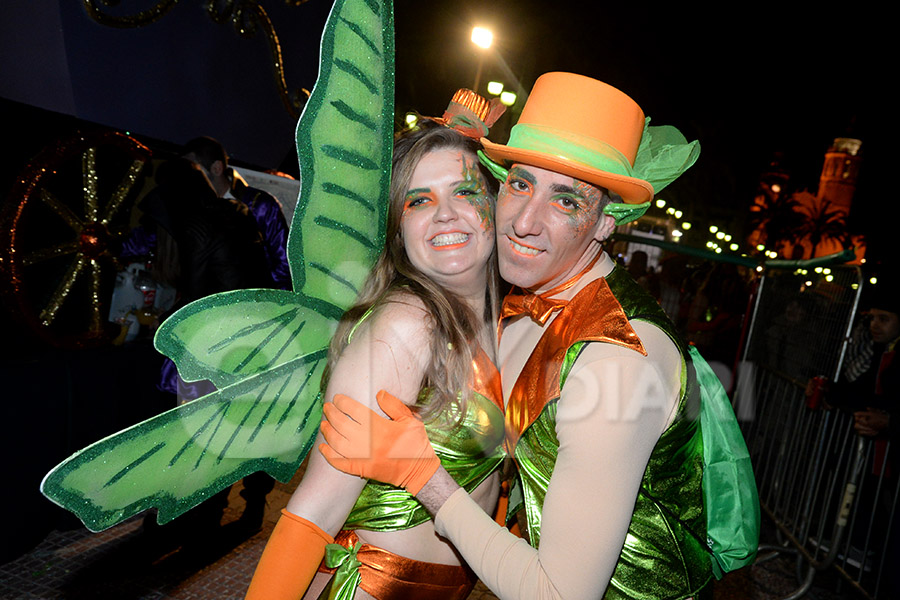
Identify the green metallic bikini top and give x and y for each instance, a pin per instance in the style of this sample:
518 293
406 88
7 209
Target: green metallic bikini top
663 555
469 450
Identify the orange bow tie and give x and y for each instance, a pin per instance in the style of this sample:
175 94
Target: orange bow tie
539 308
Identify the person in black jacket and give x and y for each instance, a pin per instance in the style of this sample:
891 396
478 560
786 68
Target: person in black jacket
879 417
211 156
870 390
218 243
214 246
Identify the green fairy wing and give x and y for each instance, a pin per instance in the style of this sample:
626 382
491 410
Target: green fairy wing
339 223
264 350
267 359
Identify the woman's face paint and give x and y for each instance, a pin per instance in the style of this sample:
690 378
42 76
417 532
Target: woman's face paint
470 187
447 222
474 189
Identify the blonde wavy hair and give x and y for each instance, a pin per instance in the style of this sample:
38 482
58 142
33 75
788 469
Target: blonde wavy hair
455 327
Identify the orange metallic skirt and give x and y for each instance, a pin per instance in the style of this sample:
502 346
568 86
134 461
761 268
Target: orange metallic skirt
388 576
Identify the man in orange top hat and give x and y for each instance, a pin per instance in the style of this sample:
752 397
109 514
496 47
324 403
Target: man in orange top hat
601 401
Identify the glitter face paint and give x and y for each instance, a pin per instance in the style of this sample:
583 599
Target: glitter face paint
447 222
471 188
475 190
586 211
547 224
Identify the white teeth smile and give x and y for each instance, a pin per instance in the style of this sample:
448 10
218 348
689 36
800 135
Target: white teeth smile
445 239
524 249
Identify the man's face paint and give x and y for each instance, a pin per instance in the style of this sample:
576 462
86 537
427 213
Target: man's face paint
546 224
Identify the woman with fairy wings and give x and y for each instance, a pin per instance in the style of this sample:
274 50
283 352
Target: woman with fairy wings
423 328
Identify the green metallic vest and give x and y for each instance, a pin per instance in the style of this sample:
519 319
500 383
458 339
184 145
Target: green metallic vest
664 555
469 450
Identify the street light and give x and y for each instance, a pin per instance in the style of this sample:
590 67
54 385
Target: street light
495 88
482 38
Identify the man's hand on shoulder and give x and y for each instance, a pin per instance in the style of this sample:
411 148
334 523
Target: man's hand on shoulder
361 442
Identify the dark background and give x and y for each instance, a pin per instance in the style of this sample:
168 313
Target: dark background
751 82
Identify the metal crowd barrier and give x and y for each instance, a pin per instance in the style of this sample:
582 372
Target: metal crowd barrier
832 502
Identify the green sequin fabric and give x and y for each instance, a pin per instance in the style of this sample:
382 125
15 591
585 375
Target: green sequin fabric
469 450
664 555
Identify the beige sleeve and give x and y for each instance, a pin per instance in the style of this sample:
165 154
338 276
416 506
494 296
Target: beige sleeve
614 406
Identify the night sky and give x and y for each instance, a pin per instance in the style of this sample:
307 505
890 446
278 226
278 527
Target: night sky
750 81
748 84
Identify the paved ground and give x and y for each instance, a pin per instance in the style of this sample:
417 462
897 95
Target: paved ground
117 564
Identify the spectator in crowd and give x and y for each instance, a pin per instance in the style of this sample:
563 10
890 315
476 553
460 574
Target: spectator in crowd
210 245
870 389
266 210
207 231
874 420
716 319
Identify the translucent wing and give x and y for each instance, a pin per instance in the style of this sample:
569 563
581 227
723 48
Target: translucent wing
230 336
338 227
177 459
267 360
264 349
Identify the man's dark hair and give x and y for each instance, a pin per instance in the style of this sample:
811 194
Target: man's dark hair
207 151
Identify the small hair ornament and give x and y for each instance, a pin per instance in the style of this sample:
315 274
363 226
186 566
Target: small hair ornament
471 114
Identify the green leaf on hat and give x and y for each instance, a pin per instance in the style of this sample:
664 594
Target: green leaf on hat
664 154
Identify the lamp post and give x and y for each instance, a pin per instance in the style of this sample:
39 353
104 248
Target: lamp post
482 38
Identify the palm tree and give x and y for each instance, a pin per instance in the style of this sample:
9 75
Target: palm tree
821 222
775 219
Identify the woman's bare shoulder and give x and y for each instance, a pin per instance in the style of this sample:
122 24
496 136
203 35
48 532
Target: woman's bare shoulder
389 350
401 318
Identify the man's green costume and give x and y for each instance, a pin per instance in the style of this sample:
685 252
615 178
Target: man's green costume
665 554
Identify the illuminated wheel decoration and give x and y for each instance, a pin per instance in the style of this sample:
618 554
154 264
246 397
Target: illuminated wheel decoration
60 228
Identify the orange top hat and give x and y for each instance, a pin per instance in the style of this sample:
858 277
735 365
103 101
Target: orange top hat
580 127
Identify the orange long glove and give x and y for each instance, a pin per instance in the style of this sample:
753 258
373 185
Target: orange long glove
290 559
362 442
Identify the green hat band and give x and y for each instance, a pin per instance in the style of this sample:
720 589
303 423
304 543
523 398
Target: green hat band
570 146
662 156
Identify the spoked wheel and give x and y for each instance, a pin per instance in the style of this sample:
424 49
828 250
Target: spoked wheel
60 230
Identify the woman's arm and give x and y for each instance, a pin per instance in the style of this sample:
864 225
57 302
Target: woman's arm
385 353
